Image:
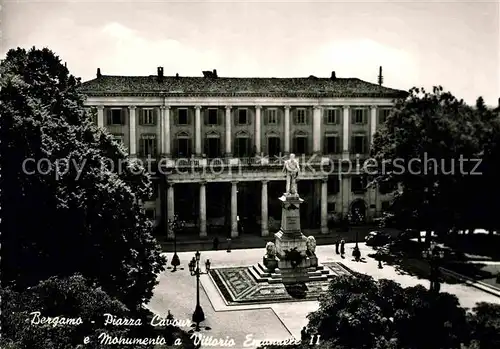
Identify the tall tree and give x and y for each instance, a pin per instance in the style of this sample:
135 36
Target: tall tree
65 209
427 147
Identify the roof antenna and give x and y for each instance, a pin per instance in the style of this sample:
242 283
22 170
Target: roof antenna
380 76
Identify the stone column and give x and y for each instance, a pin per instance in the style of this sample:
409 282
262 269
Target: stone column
197 127
286 148
373 122
170 207
160 131
324 206
166 132
100 116
228 131
264 210
234 209
132 136
258 109
316 129
345 131
203 210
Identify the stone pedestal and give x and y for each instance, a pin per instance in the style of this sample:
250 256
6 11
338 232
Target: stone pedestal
288 261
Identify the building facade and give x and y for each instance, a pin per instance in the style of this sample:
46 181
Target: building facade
216 146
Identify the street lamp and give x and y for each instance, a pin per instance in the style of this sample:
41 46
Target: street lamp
174 225
194 269
434 255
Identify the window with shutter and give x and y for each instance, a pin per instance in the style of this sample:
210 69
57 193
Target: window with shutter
272 118
115 117
358 116
300 116
147 117
148 145
332 115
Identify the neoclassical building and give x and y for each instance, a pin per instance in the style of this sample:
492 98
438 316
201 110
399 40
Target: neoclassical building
216 145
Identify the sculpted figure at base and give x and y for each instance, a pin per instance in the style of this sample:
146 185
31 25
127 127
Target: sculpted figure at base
270 250
311 245
291 168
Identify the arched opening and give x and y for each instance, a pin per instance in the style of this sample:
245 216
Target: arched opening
357 212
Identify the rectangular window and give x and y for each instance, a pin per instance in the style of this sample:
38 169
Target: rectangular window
182 117
358 184
242 117
241 147
383 114
183 150
150 214
331 116
212 117
359 144
272 117
148 145
116 117
301 116
332 144
148 117
273 146
359 116
119 137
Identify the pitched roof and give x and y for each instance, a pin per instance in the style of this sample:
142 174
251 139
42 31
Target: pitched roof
108 85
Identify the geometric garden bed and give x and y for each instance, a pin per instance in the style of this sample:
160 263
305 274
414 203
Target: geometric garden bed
238 286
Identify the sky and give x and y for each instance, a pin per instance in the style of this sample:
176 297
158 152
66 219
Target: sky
454 44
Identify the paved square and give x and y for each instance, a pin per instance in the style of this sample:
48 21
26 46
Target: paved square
238 286
176 291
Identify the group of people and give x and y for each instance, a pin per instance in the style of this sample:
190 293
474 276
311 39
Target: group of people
340 249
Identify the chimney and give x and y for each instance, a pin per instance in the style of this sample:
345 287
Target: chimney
160 74
215 73
334 76
99 72
380 76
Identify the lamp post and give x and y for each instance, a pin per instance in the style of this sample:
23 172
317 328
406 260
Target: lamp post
175 225
434 255
194 269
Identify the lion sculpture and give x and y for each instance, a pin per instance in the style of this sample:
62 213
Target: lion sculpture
311 246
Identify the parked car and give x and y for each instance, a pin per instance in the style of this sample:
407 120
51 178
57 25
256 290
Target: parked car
377 238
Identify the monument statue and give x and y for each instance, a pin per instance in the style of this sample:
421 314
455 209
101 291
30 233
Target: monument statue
270 250
311 246
291 168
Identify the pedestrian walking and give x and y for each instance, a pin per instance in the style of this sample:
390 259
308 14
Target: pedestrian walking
342 248
337 247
